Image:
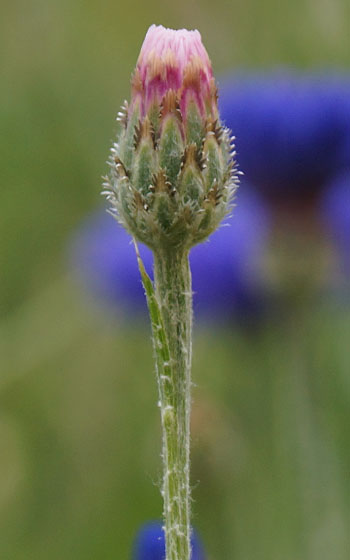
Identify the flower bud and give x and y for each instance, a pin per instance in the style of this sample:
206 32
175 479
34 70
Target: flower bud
173 176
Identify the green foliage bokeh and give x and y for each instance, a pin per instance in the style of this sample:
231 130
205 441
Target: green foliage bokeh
79 430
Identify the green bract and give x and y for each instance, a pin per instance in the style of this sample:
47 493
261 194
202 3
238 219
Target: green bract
172 179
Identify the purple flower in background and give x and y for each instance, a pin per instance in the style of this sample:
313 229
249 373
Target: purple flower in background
335 214
292 130
150 545
105 260
227 276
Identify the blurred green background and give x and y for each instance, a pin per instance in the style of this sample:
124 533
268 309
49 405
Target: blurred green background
79 427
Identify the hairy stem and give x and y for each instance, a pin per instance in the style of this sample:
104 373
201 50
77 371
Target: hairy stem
174 298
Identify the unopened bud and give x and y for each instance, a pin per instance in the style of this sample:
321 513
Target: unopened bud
173 176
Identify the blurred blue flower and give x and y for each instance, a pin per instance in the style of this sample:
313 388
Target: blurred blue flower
150 544
335 213
226 270
105 261
293 130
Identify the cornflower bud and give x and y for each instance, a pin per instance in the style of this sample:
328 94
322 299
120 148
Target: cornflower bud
172 180
173 174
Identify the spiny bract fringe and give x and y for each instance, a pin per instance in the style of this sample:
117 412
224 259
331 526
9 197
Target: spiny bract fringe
172 179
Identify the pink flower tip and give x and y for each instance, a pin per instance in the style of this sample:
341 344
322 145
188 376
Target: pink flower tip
181 45
174 60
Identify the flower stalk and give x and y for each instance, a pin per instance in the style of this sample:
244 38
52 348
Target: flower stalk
172 181
173 292
170 307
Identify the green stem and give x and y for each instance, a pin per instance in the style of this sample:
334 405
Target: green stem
174 297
